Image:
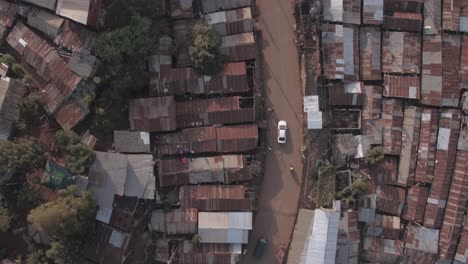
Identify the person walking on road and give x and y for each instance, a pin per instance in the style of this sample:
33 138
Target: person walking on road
291 168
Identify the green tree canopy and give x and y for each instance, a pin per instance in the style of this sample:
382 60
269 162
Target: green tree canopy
5 219
78 157
204 51
37 257
20 156
7 59
29 111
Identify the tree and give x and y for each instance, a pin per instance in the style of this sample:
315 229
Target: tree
28 196
78 157
69 221
374 155
204 51
5 219
18 69
196 239
101 124
7 59
20 156
37 257
29 112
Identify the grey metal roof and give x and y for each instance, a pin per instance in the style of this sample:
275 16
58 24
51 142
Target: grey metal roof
11 92
224 227
49 4
83 63
47 23
132 141
74 10
139 182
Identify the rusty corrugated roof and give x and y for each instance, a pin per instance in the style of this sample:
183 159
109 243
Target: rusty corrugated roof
70 114
401 52
384 171
237 138
462 248
232 21
415 203
214 197
402 86
451 82
384 226
455 211
74 36
410 143
431 80
175 222
403 21
207 253
447 140
372 12
392 116
152 114
420 245
412 6
372 106
464 59
427 145
370 53
346 94
383 251
224 110
182 30
239 47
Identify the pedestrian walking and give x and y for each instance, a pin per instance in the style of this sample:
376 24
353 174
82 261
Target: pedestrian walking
269 149
291 168
270 110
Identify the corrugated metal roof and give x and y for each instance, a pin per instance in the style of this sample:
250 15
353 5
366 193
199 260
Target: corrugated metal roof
83 63
447 140
182 30
464 59
404 21
231 22
239 47
107 246
372 12
70 114
410 143
464 20
224 227
208 253
153 114
370 57
214 197
415 203
8 14
373 130
175 222
210 6
383 251
402 86
74 10
372 105
403 6
47 23
462 248
431 80
384 171
107 178
420 244
427 146
346 11
401 52
74 36
432 16
340 51
455 211
385 198
181 9
451 76
348 239
49 4
11 92
342 94
222 169
384 226
392 116
451 15
140 180
132 141
225 110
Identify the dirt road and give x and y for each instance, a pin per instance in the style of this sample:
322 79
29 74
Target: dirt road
279 193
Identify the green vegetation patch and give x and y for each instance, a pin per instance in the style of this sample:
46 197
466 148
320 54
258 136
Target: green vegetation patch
326 186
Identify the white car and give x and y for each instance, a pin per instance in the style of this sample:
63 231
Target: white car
282 127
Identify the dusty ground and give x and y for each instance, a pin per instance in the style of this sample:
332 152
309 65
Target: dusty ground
280 190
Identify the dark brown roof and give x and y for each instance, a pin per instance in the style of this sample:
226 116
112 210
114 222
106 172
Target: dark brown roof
181 9
214 197
410 142
451 14
451 65
464 59
390 199
402 86
70 113
153 114
209 139
372 105
392 116
182 30
431 80
225 110
401 52
370 53
413 6
382 251
101 250
455 211
415 203
207 253
403 21
447 141
427 146
346 94
462 247
239 47
385 171
384 226
175 222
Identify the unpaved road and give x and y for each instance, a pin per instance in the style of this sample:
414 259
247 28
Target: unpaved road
280 190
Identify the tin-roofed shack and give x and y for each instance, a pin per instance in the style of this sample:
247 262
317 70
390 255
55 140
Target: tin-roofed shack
410 143
427 146
8 14
451 83
372 12
132 141
401 86
48 4
432 16
373 130
231 22
181 9
346 11
370 56
345 119
384 198
392 116
401 52
175 222
210 6
347 94
214 197
85 12
455 211
447 140
372 106
153 114
223 169
209 139
384 226
415 203
224 227
403 21
225 110
208 253
47 23
420 245
384 171
182 30
431 80
464 59
11 92
461 255
74 36
340 46
348 239
454 15
239 47
381 250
